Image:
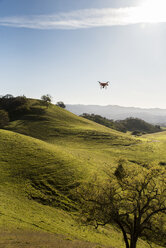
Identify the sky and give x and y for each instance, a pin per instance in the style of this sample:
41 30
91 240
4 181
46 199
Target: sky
64 47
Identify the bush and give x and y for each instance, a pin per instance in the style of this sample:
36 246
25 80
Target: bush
61 104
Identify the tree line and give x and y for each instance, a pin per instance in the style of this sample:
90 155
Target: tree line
135 125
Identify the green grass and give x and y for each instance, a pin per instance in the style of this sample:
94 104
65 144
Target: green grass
27 168
44 156
55 123
80 137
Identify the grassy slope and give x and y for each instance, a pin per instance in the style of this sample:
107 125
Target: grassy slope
32 170
29 170
85 139
36 176
55 123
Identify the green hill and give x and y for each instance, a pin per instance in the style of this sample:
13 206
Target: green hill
136 125
84 139
35 183
54 122
45 153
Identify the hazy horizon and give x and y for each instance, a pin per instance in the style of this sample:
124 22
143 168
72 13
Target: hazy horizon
116 105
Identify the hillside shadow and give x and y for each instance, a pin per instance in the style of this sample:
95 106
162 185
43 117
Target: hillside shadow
35 114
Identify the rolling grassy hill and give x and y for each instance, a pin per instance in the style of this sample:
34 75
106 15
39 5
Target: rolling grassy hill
44 155
86 140
54 123
34 188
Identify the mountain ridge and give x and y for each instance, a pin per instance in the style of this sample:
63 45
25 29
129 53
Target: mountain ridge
116 112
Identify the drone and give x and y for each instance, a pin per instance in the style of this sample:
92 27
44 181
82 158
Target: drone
103 85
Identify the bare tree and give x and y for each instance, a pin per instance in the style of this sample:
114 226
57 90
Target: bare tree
133 200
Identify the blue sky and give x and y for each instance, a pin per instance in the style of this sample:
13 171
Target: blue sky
63 47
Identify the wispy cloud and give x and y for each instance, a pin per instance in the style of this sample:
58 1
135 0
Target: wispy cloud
86 18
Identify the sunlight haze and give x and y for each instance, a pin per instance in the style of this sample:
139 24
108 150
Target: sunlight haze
64 47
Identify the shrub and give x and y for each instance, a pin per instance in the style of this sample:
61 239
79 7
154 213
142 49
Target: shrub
61 104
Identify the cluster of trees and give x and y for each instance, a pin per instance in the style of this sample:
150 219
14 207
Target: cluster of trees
11 108
134 201
135 125
99 119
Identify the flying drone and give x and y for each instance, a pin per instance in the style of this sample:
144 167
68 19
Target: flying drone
104 85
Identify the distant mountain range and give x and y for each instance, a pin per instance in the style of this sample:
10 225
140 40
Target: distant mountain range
115 112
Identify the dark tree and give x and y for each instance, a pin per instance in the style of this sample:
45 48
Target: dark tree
8 96
15 106
61 104
4 118
6 102
46 99
134 201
